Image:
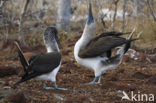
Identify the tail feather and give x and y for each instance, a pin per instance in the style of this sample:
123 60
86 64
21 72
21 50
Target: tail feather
127 45
23 61
131 34
27 77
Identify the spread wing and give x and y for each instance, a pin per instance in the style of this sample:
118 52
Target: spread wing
44 63
112 33
101 45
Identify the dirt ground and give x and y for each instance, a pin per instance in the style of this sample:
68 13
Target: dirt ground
138 76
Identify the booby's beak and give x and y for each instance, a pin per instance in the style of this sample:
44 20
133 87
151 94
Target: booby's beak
90 15
58 42
90 9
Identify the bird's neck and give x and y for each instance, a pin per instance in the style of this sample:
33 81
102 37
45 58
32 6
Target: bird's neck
52 47
87 34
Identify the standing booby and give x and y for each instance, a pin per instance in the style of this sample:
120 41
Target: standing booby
95 53
43 66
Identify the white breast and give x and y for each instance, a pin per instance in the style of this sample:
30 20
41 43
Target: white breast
91 63
50 76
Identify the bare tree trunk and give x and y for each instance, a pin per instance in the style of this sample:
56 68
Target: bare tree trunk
21 34
123 16
140 5
151 9
2 3
63 19
103 23
115 11
102 15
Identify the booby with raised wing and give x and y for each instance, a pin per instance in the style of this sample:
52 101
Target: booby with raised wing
95 52
43 66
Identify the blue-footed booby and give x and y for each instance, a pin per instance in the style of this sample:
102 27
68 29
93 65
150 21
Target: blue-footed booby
43 66
95 52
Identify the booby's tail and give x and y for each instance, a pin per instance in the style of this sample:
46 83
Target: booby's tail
23 61
125 48
27 77
127 45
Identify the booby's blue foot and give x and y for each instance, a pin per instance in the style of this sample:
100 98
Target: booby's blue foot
90 83
56 87
45 87
93 82
99 81
48 88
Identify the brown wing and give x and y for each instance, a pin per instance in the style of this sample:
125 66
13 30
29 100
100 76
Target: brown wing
44 63
112 33
101 45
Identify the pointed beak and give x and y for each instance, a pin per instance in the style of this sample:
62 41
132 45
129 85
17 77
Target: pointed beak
90 9
90 15
58 42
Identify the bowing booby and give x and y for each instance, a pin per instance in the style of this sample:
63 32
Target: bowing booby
95 53
43 66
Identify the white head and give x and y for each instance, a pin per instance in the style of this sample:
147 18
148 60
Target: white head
51 39
90 25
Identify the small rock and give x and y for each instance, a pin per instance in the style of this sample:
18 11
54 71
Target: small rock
7 71
120 70
112 77
17 98
152 80
6 87
140 75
